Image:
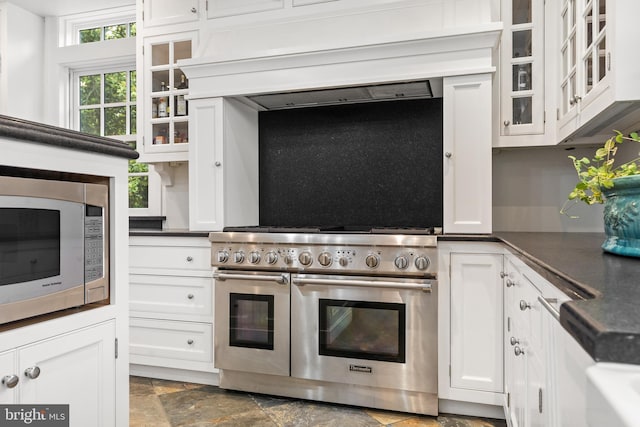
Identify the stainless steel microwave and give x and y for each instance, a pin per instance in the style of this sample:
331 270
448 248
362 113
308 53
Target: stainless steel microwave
54 246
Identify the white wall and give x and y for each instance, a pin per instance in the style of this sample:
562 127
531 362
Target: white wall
530 186
175 198
21 72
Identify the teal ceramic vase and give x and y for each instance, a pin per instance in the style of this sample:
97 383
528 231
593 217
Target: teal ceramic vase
622 216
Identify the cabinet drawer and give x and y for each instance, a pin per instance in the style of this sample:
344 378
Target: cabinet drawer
181 258
159 340
172 295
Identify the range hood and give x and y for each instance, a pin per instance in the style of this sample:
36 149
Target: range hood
348 95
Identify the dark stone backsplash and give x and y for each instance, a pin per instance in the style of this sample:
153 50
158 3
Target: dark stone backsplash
372 164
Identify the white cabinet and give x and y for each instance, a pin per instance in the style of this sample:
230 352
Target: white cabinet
8 377
522 68
171 307
77 368
470 320
476 322
164 128
220 8
467 149
223 164
532 361
526 85
598 90
167 12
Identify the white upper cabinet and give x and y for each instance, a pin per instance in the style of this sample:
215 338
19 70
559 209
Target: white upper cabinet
525 87
598 90
165 108
522 68
166 12
467 154
220 8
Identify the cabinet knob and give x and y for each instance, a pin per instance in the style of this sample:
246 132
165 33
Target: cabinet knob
189 341
514 341
218 164
189 258
10 381
448 155
190 296
518 351
524 305
510 283
32 372
506 123
194 10
503 274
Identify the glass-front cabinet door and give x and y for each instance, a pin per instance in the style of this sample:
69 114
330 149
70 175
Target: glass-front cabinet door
166 133
522 80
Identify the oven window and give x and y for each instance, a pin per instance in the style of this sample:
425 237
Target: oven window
251 321
29 244
362 330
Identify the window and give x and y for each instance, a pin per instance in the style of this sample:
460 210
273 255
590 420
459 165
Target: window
105 101
109 32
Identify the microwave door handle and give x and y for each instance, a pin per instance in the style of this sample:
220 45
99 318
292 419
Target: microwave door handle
424 286
280 279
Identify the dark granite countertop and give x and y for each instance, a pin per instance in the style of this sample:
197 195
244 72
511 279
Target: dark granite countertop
604 315
26 130
167 233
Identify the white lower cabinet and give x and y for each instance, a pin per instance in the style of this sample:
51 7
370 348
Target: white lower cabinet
77 368
540 367
476 322
470 325
171 308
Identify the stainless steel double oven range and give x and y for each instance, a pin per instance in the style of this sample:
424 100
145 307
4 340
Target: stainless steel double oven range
331 316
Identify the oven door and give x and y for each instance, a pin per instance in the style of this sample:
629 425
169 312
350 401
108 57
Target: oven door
372 331
252 322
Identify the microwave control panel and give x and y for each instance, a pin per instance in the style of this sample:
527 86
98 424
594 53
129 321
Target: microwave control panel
93 244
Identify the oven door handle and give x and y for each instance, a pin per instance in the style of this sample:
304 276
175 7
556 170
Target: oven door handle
424 286
280 279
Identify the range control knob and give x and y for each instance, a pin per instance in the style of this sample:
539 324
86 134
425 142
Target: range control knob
271 257
254 257
288 259
422 263
305 258
401 262
324 259
372 260
238 257
223 256
344 261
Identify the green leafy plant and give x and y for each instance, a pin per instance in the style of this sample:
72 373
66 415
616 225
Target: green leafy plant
599 172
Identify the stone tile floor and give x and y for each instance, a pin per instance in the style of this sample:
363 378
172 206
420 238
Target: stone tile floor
161 403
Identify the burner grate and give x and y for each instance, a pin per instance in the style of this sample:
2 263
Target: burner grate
343 229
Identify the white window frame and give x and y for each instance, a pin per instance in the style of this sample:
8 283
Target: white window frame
70 25
154 195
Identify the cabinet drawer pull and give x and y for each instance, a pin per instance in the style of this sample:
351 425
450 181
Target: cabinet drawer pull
32 372
10 381
189 341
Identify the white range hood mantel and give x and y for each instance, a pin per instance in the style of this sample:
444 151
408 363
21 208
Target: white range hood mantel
453 52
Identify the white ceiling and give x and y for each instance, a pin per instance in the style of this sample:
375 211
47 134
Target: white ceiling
68 7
